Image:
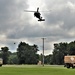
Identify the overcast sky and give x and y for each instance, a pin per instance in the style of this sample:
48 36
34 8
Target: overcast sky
17 25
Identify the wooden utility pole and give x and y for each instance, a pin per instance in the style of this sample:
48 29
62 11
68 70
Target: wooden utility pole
43 51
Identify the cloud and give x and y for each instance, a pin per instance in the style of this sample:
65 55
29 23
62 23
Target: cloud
62 15
17 25
11 18
10 13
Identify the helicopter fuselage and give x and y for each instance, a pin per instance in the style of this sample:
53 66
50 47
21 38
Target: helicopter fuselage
38 15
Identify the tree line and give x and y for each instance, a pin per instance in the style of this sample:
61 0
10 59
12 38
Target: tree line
61 50
27 54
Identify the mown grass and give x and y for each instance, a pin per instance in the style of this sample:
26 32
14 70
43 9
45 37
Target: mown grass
35 70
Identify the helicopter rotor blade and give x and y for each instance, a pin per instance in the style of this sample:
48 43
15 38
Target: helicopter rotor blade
46 11
28 11
37 10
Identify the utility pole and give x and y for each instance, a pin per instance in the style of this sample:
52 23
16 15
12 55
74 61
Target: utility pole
43 50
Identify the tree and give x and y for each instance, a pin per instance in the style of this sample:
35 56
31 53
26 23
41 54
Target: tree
5 54
0 53
48 59
60 50
71 48
27 54
13 59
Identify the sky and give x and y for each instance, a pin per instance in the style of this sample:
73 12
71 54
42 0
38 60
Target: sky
17 25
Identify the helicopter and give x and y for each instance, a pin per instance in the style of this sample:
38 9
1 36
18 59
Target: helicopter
37 14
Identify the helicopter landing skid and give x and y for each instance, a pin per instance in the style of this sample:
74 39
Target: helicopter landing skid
41 20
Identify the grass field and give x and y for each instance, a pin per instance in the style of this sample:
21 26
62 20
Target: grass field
35 70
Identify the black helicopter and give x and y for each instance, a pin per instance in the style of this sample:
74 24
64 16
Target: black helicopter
36 14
